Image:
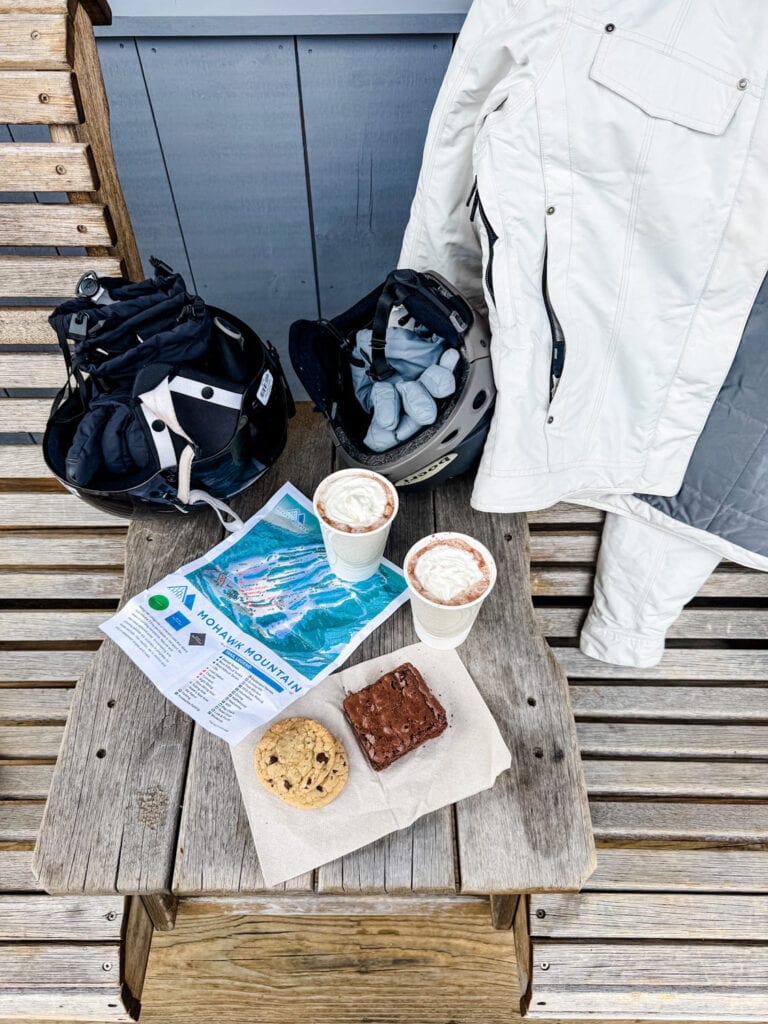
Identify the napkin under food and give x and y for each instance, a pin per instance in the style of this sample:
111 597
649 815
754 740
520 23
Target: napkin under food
466 759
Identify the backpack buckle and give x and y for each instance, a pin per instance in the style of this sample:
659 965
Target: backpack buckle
78 327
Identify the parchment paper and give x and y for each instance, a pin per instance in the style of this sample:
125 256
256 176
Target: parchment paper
466 759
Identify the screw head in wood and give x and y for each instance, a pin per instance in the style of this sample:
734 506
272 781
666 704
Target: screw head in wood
106 967
61 169
34 34
544 966
111 915
82 229
44 97
541 913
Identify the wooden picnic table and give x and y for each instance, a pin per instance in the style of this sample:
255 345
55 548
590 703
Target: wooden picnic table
144 802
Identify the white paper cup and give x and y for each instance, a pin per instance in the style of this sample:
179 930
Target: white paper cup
445 626
354 556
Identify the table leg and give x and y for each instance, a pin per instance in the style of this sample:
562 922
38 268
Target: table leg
161 907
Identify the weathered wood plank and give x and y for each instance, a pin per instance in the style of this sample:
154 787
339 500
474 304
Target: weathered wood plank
43 276
532 830
44 167
30 741
23 462
34 6
676 664
24 325
693 624
53 224
136 947
25 781
61 549
661 779
696 703
62 966
37 97
35 705
551 582
72 586
52 626
22 510
16 871
19 415
564 545
718 871
664 916
134 788
19 822
69 1003
716 823
34 41
51 918
42 666
572 515
620 739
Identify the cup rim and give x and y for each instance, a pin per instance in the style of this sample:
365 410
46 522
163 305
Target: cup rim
350 533
463 536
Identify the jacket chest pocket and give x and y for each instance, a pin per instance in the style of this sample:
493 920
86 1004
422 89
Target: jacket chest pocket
668 85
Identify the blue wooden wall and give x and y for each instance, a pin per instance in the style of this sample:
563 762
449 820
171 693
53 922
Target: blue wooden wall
276 172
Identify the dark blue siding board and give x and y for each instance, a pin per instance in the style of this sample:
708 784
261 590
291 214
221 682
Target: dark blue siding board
367 102
227 112
139 157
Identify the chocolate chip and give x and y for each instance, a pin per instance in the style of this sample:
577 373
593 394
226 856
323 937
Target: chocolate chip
287 784
308 783
319 789
334 772
273 759
321 757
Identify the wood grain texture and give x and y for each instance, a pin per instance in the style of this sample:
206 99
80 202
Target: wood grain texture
52 626
680 779
136 946
42 666
27 325
29 741
565 514
44 167
22 415
676 664
46 706
620 739
34 41
663 916
735 824
50 586
718 871
126 840
37 97
49 276
25 781
40 966
31 369
60 918
53 224
532 830
60 549
550 582
19 821
657 703
16 871
726 623
23 462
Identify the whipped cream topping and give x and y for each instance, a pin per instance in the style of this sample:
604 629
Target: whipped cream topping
356 503
450 572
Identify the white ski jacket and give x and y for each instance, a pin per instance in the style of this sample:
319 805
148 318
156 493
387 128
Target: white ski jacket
616 229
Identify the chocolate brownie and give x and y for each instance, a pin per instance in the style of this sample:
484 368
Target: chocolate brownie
394 715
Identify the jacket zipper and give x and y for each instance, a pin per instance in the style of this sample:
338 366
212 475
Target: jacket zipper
557 361
477 207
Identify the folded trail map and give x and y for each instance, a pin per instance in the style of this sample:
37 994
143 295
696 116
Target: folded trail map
236 636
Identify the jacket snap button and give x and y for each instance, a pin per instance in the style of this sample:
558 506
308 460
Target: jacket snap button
550 210
207 392
158 425
743 83
610 27
550 419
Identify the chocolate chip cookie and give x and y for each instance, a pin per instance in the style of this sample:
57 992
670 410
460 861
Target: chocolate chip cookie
302 763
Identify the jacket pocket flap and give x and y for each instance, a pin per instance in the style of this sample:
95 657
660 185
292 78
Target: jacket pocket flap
667 85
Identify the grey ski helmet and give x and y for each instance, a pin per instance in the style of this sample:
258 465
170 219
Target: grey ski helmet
322 350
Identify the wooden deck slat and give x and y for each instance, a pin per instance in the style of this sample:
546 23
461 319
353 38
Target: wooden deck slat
676 664
80 586
24 325
30 741
53 626
36 41
717 823
20 415
25 781
16 871
681 870
62 966
729 583
19 822
34 6
665 916
24 462
621 739
692 779
692 703
51 510
26 550
573 515
42 666
37 97
34 705
32 369
53 224
693 623
555 545
43 276
62 918
44 167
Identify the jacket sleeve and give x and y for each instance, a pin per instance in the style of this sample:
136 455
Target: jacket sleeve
440 235
645 576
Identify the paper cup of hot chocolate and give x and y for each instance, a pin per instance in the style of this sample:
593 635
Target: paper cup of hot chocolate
449 575
355 508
